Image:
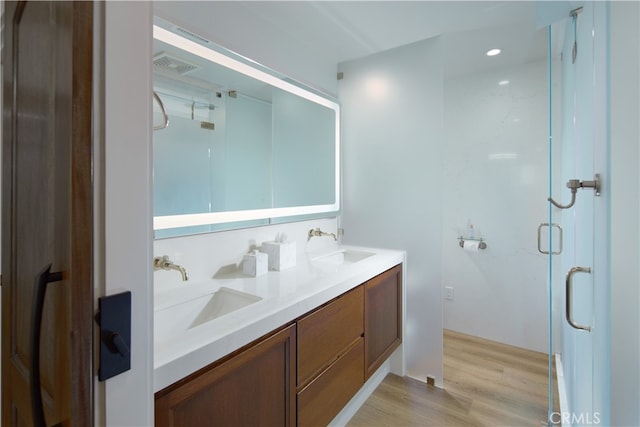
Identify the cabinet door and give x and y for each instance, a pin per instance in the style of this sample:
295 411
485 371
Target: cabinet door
253 388
382 317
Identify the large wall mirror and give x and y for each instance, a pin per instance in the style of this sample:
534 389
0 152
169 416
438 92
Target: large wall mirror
235 144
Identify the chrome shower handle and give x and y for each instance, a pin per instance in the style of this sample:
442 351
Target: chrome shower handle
546 224
574 185
569 298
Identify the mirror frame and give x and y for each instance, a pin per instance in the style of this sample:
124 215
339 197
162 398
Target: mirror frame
252 69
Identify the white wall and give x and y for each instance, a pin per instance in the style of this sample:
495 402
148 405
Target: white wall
392 163
496 177
625 213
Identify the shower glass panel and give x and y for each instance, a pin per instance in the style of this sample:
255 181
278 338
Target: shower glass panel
226 159
584 294
184 141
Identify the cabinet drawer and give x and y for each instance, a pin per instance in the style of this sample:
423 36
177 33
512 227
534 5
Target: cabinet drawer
325 334
321 400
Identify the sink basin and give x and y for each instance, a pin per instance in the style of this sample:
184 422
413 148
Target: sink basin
179 318
343 256
222 302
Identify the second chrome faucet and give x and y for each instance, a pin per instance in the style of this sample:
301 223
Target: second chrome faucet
318 233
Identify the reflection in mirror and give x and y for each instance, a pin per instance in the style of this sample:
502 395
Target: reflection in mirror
243 147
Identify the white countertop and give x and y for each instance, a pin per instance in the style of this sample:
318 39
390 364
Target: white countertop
286 295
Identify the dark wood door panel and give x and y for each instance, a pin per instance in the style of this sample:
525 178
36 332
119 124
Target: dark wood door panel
47 215
383 317
253 388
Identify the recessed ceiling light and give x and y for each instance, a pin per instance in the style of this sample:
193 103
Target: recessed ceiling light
493 52
503 82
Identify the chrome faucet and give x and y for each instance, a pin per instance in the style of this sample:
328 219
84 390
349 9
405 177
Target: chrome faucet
317 233
163 263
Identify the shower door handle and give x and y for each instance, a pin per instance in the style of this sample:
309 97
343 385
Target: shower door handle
546 224
569 298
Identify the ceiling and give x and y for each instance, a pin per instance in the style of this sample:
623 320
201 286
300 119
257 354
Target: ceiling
346 30
338 31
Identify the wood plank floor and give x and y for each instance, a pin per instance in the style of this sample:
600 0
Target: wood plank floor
485 384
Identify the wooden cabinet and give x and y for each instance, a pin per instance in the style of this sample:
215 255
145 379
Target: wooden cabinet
382 317
330 358
303 374
254 387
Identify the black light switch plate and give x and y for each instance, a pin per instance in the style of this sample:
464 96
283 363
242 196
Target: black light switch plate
114 318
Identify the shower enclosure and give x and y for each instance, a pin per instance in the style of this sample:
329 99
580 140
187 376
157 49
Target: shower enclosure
583 279
526 152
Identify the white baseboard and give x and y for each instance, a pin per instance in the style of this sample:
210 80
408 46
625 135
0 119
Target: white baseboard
562 389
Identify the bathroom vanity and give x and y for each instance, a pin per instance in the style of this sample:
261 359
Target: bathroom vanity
295 355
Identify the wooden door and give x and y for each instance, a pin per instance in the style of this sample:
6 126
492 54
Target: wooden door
46 209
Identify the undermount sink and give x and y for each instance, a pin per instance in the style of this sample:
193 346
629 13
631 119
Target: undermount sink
343 256
179 318
224 301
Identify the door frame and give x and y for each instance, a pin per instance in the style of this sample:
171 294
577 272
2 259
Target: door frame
124 214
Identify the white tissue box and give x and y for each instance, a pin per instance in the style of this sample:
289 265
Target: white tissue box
282 255
255 264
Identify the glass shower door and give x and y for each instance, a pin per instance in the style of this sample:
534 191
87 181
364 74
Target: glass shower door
584 260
